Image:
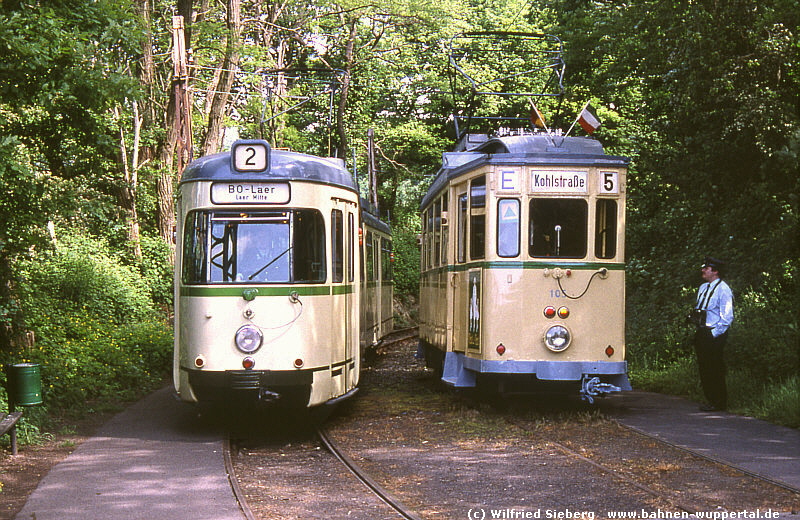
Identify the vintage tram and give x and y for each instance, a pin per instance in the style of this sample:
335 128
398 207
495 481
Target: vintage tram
523 273
282 278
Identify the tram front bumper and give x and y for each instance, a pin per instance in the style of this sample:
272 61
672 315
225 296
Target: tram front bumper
461 371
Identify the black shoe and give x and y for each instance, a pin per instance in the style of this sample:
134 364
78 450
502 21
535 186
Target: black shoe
709 408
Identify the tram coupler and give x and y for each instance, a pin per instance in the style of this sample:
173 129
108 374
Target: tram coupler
591 388
267 396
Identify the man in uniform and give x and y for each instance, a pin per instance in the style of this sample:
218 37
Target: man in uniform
713 315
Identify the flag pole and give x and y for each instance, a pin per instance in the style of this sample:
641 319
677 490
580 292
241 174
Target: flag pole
541 118
539 115
577 118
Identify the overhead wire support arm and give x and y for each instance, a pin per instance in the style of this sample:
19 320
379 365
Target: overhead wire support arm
505 65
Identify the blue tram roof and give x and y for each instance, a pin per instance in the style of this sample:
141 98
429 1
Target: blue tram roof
517 150
284 165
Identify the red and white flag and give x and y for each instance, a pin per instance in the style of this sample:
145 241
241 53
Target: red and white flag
588 120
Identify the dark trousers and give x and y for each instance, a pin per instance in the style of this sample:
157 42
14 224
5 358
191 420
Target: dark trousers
711 362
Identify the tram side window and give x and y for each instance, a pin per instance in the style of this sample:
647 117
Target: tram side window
351 239
370 252
558 228
508 228
308 247
337 245
444 228
477 220
195 243
437 233
425 252
386 259
462 229
605 240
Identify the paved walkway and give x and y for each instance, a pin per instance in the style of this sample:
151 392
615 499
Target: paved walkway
153 461
754 446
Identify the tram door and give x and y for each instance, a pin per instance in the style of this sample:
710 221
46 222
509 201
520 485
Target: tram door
341 332
459 282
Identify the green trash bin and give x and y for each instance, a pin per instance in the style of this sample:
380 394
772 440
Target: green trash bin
24 384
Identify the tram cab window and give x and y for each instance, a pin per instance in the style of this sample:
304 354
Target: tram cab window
605 240
266 247
558 228
477 219
508 228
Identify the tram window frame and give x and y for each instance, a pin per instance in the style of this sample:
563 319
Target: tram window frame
477 218
605 228
506 248
305 254
337 246
555 211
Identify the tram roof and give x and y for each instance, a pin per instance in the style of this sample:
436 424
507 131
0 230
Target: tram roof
519 150
284 165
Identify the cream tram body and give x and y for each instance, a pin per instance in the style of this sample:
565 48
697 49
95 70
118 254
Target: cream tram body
270 278
523 274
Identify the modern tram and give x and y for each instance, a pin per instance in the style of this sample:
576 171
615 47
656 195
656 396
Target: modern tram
523 272
282 278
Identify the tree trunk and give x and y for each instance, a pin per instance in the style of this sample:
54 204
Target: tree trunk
345 89
213 139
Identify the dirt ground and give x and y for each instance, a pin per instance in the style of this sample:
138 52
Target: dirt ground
449 455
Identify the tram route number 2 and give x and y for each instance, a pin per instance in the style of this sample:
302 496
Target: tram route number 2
250 156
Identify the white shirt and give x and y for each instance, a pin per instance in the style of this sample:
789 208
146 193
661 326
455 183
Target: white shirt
717 299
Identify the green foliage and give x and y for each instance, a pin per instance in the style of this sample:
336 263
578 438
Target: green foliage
156 269
81 277
98 338
780 403
406 257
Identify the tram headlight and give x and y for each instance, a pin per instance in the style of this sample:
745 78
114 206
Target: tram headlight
248 339
557 338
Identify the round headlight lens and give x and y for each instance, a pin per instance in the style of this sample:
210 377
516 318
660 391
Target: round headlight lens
557 338
248 339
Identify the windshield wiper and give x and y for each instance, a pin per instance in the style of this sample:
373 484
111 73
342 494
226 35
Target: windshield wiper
269 264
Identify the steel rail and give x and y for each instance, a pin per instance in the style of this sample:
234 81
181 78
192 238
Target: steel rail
365 479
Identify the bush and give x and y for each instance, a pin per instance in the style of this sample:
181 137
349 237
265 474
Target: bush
99 339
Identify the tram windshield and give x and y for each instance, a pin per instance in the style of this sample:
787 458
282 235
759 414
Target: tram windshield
266 247
558 228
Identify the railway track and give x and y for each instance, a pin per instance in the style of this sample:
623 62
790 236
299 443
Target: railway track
379 491
413 443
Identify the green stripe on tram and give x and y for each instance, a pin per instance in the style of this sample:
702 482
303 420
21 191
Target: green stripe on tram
284 290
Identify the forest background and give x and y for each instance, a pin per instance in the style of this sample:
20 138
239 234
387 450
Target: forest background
702 95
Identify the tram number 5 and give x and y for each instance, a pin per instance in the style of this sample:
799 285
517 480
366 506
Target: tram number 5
250 156
609 182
